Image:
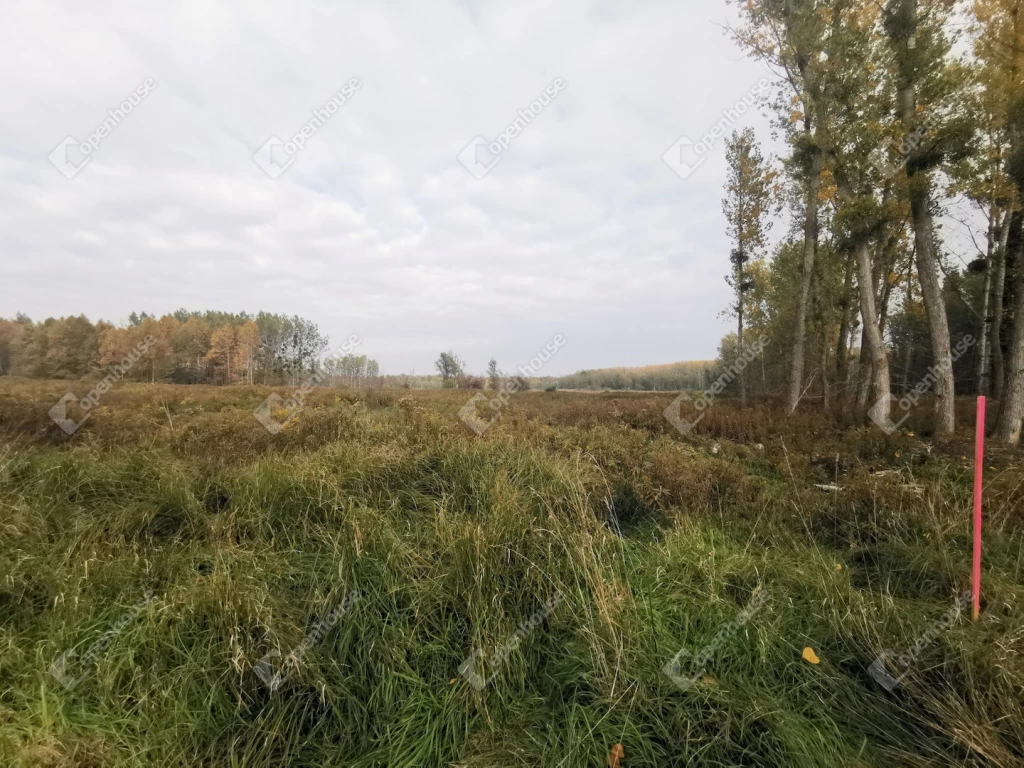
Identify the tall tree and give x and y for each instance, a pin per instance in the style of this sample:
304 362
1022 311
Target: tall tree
223 347
72 348
247 350
919 50
999 46
849 88
746 205
10 331
190 344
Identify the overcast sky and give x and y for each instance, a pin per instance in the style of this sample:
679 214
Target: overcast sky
375 227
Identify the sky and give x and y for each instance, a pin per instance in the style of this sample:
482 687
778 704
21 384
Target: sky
413 211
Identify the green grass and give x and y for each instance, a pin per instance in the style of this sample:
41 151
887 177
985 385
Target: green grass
655 543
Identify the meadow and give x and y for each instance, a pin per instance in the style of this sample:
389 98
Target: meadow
377 585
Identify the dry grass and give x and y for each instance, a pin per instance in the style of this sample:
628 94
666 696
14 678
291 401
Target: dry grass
656 542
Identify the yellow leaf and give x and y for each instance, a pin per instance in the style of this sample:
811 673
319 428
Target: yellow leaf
839 566
616 755
811 656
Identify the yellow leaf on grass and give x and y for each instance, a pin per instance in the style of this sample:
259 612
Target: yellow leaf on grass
616 755
811 656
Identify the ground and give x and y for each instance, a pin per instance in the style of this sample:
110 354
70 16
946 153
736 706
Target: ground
182 587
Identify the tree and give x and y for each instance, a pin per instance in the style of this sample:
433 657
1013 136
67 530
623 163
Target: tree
919 51
1011 412
189 346
449 366
10 332
72 347
247 350
788 35
749 195
373 373
849 113
826 53
223 348
493 374
120 347
158 357
301 345
999 46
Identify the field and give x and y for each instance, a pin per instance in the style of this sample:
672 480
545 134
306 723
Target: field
154 558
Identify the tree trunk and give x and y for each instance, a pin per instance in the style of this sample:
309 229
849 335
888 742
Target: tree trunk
845 321
919 185
908 359
1011 412
826 392
872 335
981 374
998 293
935 309
863 370
796 373
739 343
884 286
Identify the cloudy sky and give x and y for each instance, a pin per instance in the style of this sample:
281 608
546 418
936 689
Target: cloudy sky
375 227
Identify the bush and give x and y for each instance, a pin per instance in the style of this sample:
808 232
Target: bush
466 381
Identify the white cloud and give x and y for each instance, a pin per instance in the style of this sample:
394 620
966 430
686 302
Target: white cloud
376 228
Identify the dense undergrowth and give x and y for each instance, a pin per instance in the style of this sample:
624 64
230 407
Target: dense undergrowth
245 542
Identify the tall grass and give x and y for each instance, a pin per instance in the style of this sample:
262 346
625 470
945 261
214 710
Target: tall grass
654 542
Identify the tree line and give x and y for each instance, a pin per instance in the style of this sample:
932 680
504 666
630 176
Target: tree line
671 377
901 119
181 348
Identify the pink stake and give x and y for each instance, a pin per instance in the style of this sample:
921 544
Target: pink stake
979 463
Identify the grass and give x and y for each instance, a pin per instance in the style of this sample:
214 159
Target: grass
655 542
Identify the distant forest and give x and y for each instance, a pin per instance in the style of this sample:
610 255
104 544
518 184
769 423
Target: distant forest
182 348
227 348
671 377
